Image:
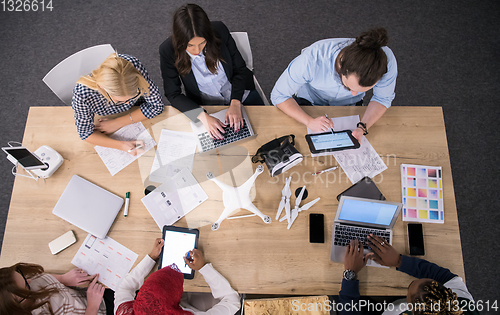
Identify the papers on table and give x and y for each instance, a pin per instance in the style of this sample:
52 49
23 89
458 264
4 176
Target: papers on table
116 160
173 199
175 148
111 260
356 163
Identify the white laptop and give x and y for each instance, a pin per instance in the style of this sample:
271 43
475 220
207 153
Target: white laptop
205 141
359 217
88 206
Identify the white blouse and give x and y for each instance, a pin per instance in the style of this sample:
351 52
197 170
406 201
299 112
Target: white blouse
215 89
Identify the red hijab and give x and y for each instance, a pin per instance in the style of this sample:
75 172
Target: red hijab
160 294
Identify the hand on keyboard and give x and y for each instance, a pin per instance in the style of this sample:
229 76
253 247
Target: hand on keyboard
354 259
234 118
214 126
383 252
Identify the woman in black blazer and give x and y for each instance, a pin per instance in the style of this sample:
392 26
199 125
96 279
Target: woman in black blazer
194 54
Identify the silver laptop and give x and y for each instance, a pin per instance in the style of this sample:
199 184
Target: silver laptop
88 206
205 141
359 217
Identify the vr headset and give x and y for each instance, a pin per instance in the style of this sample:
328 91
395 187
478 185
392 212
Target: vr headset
279 155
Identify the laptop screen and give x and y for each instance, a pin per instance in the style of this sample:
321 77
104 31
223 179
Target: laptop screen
367 212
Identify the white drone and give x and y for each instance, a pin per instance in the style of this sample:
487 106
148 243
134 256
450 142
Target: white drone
285 202
238 197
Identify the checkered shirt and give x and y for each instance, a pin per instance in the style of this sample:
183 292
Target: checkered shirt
87 102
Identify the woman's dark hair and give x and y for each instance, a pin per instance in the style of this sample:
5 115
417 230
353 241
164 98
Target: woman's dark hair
8 289
364 57
191 21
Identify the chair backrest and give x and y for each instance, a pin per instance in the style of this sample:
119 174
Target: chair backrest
243 45
62 78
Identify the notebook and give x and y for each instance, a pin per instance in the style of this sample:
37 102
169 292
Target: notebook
88 206
205 141
359 217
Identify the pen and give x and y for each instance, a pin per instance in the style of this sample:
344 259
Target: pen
127 200
327 170
187 257
331 129
136 148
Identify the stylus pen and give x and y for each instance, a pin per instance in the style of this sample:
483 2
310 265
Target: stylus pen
327 170
136 148
331 129
127 201
187 257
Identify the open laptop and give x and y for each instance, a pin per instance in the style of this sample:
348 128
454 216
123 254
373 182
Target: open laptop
205 141
88 206
358 218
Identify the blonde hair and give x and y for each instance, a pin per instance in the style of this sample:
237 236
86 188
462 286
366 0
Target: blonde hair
116 77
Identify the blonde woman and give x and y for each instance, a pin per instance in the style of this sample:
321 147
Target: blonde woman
120 83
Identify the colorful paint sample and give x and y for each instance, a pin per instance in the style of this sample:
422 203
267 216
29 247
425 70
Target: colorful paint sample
412 203
422 182
410 171
434 215
421 172
433 193
411 182
422 193
433 204
422 214
433 183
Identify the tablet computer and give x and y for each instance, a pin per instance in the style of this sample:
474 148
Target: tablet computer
24 157
178 241
331 141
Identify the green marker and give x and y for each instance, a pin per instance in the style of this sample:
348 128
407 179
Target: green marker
127 200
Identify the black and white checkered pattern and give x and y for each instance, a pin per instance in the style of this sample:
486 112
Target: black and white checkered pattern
87 102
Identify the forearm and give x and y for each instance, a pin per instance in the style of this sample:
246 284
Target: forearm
373 112
421 268
292 109
91 310
349 295
100 139
134 116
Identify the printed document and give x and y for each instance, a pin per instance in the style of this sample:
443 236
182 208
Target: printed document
356 163
111 260
175 198
116 160
175 148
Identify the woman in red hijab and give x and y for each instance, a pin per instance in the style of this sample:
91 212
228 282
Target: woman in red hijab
162 292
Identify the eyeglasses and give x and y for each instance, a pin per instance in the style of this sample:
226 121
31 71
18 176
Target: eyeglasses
121 103
27 285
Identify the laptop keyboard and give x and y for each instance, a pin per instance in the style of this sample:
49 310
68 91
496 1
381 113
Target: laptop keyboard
345 233
207 143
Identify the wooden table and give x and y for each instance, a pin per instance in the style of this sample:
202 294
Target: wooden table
255 257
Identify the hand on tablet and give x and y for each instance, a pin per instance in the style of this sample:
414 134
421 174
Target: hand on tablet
155 252
320 124
196 260
358 134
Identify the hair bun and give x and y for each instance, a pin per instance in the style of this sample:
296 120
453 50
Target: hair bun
373 39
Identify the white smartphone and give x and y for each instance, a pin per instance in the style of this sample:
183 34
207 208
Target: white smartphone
24 157
62 242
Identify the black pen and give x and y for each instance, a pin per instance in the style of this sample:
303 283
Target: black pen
331 129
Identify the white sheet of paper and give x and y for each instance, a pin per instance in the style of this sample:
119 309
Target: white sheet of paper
175 148
110 259
175 198
116 160
356 163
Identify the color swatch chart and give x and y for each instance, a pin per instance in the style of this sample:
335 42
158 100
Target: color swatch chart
422 191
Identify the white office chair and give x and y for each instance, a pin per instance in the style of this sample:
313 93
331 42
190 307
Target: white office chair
62 78
243 45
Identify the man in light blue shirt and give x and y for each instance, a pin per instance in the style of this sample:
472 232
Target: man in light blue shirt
338 72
